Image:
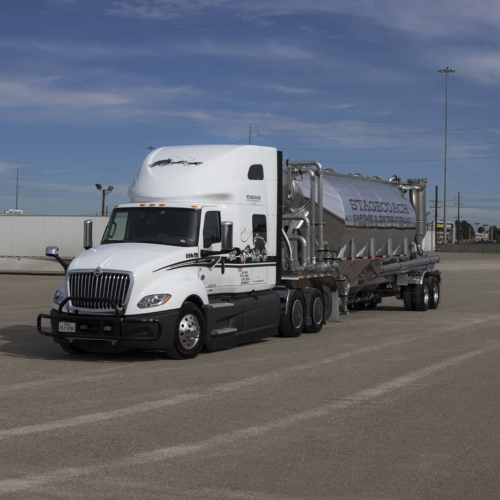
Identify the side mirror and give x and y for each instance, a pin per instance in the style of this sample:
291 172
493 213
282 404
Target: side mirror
54 252
227 236
87 234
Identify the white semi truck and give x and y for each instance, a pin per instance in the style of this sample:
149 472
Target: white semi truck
225 244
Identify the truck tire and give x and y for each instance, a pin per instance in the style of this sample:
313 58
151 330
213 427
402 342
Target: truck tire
292 322
408 298
189 333
317 312
434 292
421 296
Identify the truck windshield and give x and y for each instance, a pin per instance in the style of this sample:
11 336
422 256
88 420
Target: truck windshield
159 225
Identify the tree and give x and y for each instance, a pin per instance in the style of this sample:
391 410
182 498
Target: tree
465 231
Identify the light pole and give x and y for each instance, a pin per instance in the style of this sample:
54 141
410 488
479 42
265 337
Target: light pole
446 71
105 191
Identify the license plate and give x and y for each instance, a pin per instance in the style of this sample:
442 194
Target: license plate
67 327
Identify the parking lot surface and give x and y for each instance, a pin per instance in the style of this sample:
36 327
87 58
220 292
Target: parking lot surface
386 404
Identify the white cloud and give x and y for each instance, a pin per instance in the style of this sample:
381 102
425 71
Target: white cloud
6 167
270 49
61 2
73 50
51 95
20 94
267 49
285 89
455 18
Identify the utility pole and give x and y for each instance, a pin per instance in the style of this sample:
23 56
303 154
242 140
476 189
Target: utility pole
19 172
446 71
17 185
252 131
435 206
459 229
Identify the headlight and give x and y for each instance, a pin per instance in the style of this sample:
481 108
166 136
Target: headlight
154 300
58 297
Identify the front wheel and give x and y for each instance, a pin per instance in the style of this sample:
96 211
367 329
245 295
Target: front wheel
189 333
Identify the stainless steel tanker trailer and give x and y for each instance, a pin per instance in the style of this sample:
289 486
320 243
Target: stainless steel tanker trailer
364 234
221 245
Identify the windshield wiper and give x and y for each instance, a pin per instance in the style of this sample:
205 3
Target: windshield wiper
155 242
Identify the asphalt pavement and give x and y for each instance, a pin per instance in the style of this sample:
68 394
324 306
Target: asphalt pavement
385 404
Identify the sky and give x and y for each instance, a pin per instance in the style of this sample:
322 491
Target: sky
86 86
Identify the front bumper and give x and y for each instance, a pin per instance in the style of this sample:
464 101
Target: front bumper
111 332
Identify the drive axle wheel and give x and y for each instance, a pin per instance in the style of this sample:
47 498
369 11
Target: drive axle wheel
434 292
292 322
189 333
317 312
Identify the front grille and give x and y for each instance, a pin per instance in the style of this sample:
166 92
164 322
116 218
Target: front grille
91 288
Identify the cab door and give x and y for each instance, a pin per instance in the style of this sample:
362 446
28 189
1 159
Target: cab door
210 271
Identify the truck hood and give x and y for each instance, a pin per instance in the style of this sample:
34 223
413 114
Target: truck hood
138 258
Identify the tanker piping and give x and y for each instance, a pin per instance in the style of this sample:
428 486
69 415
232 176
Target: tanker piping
287 243
305 252
303 218
405 265
319 173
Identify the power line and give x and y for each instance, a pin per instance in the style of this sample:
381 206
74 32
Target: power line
85 172
383 133
398 148
407 161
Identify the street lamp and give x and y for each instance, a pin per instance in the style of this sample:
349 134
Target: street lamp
446 71
105 191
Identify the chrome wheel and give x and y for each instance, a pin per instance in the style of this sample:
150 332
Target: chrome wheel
297 314
425 292
189 331
317 310
435 293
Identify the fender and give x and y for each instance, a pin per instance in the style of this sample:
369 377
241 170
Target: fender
180 289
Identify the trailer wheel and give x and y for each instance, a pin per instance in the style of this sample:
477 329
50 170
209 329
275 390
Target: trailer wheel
408 298
434 292
292 323
189 333
421 296
317 312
